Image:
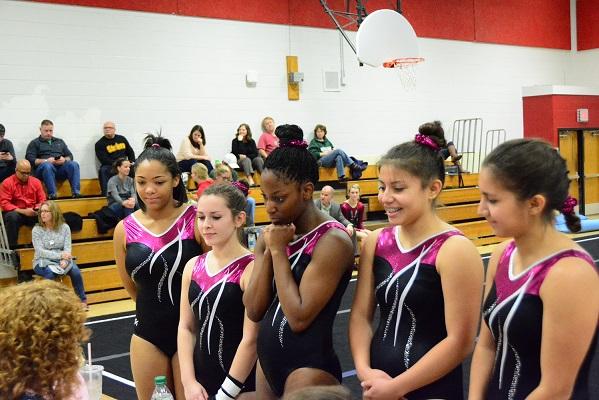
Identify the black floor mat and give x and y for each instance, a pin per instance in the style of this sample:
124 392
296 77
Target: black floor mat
111 336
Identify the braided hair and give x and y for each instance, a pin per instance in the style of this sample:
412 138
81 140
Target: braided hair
527 167
291 161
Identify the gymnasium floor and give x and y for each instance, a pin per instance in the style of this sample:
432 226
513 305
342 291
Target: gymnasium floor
112 325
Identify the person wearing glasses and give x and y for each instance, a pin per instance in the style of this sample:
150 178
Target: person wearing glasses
20 197
51 238
7 156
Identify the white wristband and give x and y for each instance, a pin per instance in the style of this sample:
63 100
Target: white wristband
228 390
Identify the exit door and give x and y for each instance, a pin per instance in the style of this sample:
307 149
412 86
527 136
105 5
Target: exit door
580 148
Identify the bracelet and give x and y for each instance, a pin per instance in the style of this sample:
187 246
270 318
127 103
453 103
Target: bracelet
229 389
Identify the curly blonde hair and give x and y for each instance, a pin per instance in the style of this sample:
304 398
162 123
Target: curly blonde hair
41 331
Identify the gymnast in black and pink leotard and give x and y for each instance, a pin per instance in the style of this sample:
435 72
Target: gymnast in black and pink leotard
151 248
155 263
541 309
303 264
426 279
217 342
513 311
282 350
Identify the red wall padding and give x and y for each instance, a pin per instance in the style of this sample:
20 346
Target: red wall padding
587 22
156 6
449 19
539 23
544 115
538 118
271 11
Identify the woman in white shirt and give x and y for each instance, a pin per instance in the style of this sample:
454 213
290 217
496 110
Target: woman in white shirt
193 150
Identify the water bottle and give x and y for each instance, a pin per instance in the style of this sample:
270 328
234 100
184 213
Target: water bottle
251 240
161 391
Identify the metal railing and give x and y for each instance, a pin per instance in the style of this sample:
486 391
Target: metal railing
467 137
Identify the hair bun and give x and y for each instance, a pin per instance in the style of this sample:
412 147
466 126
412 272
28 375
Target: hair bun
157 142
286 133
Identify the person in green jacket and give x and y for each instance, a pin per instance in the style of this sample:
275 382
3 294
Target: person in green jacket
328 156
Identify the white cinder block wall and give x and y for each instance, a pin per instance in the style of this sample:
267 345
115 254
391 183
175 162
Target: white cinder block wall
81 66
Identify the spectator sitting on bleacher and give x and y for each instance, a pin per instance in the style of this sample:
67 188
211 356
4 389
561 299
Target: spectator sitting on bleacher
199 174
41 333
328 156
268 141
20 196
353 210
193 150
8 160
52 244
436 132
224 173
110 148
53 160
245 150
121 190
328 206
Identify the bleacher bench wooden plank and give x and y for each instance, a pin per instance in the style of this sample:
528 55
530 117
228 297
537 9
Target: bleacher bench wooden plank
108 295
475 229
89 187
330 174
88 230
458 213
82 206
459 195
88 252
448 195
469 180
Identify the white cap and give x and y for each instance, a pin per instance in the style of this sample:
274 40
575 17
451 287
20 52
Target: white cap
231 160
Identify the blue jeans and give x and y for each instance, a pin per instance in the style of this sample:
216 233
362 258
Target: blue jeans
338 158
250 211
50 173
74 273
121 211
185 165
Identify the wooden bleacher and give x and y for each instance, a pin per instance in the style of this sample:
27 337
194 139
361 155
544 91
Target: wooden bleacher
95 253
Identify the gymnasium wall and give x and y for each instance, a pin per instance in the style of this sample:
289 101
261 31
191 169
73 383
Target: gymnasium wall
80 66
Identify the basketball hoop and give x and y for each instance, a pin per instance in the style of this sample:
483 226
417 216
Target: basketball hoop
406 68
386 38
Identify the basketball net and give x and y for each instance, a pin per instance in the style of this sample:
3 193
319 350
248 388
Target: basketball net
406 69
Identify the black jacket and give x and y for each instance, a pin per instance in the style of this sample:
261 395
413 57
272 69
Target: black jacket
40 148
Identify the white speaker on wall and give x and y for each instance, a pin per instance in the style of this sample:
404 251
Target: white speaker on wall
330 81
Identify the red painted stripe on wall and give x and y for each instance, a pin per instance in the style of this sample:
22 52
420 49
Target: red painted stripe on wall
587 23
538 23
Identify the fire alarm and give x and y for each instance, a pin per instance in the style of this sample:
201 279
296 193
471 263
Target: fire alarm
582 115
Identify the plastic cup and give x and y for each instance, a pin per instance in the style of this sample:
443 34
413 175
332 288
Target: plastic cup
92 375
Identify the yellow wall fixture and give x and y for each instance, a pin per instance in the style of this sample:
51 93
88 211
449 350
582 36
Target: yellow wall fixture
293 91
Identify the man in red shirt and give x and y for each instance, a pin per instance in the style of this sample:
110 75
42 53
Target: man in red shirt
20 196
